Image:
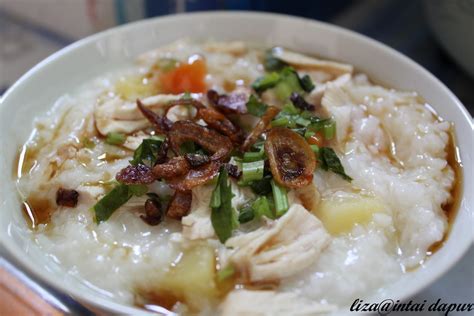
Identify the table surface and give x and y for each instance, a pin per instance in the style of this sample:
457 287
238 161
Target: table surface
407 32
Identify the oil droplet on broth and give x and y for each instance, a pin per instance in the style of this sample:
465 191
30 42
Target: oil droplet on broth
37 210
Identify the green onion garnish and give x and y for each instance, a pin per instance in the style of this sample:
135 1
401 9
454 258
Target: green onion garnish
115 138
253 156
329 130
302 121
252 170
280 122
246 214
280 198
308 134
314 148
261 207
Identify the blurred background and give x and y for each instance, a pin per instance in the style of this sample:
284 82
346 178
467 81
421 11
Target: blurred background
435 33
438 34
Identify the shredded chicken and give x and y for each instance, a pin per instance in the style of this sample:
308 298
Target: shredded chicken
235 48
197 225
271 303
120 116
303 61
281 248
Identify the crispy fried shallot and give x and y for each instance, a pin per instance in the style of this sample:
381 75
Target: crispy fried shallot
233 170
65 197
175 167
197 160
196 177
221 123
180 204
186 131
161 124
234 103
139 174
292 161
153 212
261 126
213 118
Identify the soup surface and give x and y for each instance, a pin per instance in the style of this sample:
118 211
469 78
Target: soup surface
236 179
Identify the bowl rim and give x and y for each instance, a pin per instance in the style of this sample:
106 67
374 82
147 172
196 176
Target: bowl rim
104 304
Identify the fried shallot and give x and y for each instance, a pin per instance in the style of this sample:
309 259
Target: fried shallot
292 162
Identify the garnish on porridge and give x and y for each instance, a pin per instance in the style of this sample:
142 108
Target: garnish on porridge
227 178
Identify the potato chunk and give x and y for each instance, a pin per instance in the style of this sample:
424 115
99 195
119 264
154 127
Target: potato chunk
190 281
340 214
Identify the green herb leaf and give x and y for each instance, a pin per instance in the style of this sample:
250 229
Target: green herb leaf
147 152
329 161
261 207
329 130
223 218
289 82
255 107
306 83
266 82
115 138
280 198
263 186
138 189
246 214
111 202
272 63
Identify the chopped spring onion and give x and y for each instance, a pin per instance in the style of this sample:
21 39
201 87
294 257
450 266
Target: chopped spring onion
329 130
261 207
289 108
280 199
246 214
115 138
308 134
252 170
314 148
281 122
302 121
223 217
262 187
306 83
253 156
266 82
255 107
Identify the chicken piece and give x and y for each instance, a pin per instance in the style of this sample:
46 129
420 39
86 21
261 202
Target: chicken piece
235 48
303 61
317 94
281 248
263 303
197 225
120 116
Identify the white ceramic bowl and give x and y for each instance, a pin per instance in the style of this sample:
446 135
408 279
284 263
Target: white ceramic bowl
36 91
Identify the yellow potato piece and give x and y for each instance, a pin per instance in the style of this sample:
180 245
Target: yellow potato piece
339 215
191 281
133 87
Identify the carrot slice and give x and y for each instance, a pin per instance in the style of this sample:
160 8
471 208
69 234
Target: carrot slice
188 77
